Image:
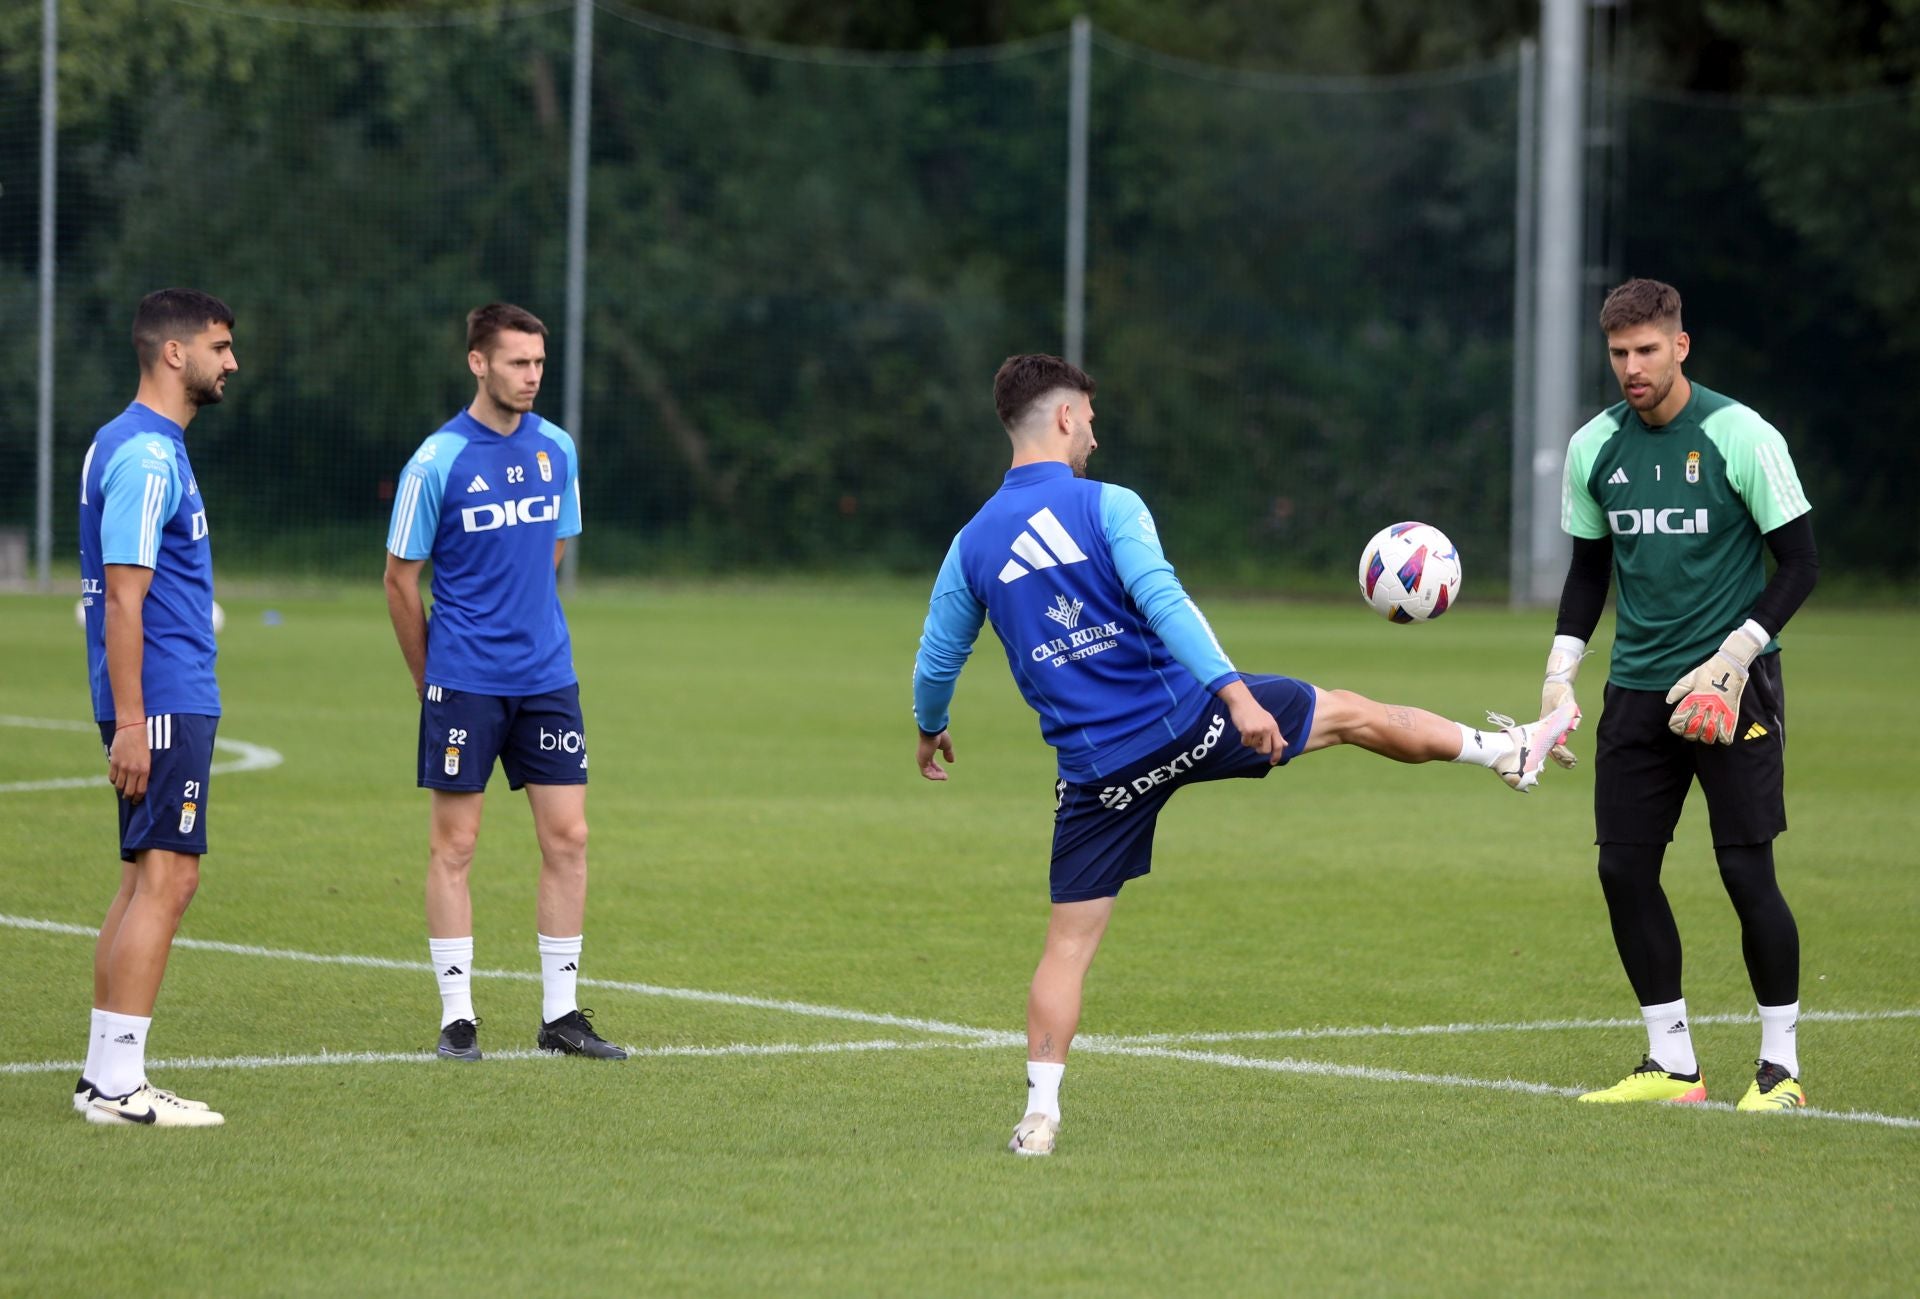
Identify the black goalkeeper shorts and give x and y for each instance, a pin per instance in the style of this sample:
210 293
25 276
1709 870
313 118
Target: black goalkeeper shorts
1642 771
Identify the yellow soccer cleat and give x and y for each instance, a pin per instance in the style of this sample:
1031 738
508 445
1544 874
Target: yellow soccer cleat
1773 1089
1650 1081
1034 1135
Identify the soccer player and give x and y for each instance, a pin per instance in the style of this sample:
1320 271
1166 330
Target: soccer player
1133 691
1674 490
146 580
491 499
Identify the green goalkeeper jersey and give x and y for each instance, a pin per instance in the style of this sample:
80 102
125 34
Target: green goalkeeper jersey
1686 505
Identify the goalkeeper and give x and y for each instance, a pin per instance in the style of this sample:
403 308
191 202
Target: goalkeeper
1675 489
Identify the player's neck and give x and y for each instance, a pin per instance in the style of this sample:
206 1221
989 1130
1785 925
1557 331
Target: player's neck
173 405
487 411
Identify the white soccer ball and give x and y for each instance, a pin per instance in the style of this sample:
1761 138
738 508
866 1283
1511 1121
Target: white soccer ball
219 617
1410 572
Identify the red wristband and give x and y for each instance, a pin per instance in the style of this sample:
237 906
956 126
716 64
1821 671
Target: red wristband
129 726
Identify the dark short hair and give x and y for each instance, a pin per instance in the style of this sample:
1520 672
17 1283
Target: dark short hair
1023 380
174 314
484 322
1640 302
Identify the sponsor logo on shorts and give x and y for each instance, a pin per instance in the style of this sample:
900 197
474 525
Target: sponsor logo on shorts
189 813
452 765
562 742
1117 798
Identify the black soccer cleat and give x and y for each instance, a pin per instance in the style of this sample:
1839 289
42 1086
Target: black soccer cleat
460 1040
571 1034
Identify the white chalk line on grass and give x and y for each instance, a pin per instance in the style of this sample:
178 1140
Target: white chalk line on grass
1368 1073
1432 1030
246 757
942 1027
1139 1047
428 1057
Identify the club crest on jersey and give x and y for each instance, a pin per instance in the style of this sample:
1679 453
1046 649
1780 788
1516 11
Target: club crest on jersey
452 764
546 466
189 813
1693 466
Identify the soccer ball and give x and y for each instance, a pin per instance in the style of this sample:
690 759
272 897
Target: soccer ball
1410 572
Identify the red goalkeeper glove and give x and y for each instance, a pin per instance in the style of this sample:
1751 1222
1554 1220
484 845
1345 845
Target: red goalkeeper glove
1709 696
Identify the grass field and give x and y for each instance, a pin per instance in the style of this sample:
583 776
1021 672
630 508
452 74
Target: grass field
1330 1040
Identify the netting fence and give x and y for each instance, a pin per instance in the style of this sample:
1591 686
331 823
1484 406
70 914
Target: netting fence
803 269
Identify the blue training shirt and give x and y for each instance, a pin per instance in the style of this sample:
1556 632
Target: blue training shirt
486 508
1102 639
140 504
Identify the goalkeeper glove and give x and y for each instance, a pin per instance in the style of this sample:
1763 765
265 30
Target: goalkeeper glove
1709 696
1563 664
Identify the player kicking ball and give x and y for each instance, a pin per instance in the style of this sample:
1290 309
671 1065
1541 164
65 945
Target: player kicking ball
1134 693
491 499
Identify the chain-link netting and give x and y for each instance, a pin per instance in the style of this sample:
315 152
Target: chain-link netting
803 270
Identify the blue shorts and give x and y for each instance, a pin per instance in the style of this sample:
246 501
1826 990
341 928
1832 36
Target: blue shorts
1103 831
173 815
538 739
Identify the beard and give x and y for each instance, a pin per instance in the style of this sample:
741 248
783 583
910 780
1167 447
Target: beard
203 389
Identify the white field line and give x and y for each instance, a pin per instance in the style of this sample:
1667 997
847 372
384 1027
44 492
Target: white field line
1366 1073
428 1057
842 1013
247 757
1431 1030
971 1037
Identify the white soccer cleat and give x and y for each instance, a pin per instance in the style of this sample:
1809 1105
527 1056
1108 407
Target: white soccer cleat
1531 744
1034 1135
85 1094
152 1107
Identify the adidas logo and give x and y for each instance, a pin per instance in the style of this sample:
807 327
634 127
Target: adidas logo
1754 732
1679 1027
126 1039
478 484
569 966
1619 475
450 971
1060 548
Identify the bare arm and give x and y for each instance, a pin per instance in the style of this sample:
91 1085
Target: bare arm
409 615
559 549
129 760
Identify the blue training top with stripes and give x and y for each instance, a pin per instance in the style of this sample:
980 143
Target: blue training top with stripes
140 505
1102 639
486 508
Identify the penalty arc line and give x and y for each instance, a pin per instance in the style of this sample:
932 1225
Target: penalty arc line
971 1037
246 757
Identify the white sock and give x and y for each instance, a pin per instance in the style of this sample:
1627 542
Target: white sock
1043 1087
1776 1036
559 974
1483 748
96 1036
1669 1040
453 967
123 1053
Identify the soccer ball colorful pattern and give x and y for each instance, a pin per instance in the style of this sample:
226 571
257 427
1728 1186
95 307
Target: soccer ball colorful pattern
1410 572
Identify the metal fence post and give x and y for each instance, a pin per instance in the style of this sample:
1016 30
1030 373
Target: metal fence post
1080 75
43 429
1519 556
576 308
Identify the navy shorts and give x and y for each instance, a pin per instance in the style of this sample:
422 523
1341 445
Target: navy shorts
1103 830
538 739
1642 771
173 815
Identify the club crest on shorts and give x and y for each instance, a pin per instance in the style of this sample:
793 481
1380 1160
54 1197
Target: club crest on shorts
189 813
1693 466
546 466
453 760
